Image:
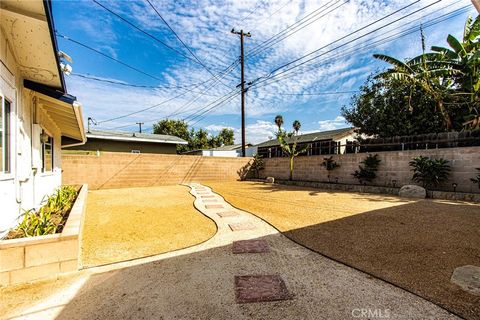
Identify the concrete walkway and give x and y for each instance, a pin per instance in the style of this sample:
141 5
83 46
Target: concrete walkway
210 281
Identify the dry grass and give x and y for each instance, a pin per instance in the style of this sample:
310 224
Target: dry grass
123 224
414 244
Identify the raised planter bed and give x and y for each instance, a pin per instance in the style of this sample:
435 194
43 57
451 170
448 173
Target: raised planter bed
28 259
461 196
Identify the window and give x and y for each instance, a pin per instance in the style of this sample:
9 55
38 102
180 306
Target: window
47 152
5 135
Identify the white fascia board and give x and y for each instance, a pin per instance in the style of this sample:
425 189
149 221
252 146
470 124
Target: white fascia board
94 136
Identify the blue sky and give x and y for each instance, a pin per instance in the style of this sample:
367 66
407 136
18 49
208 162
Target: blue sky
302 93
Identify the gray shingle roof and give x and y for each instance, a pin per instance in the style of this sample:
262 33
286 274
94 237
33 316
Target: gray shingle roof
311 137
134 136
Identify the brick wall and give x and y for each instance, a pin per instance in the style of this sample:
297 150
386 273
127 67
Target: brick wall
394 166
123 170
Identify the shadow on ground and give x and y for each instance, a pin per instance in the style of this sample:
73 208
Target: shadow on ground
200 285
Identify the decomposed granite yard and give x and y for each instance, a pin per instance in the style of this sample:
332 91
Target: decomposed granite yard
124 224
413 244
247 270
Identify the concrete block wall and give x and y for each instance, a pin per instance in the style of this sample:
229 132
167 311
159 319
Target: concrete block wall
123 170
29 259
393 166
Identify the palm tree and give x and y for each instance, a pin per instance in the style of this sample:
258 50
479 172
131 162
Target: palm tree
279 122
288 141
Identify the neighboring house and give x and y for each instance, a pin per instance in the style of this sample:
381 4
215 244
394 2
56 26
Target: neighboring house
324 142
118 141
234 150
36 113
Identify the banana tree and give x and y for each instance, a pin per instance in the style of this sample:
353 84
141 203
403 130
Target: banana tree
288 141
464 56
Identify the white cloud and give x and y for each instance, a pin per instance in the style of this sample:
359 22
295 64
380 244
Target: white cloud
338 122
205 25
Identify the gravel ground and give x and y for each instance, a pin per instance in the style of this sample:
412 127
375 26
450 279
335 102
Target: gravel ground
198 283
124 224
413 244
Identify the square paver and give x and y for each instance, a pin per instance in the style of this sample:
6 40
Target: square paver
250 246
241 226
227 214
260 289
213 206
207 196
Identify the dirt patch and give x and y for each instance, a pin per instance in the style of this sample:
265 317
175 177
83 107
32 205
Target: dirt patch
413 244
124 224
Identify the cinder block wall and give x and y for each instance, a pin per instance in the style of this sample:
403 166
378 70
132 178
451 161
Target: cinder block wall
393 166
123 170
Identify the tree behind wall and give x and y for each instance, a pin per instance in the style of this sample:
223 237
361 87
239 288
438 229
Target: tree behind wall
199 139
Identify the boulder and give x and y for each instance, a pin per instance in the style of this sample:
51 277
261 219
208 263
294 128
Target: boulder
412 191
270 180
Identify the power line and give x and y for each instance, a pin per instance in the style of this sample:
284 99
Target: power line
153 106
387 39
86 76
107 56
292 29
270 75
181 41
143 31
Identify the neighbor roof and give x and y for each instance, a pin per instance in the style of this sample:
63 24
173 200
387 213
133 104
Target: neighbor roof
134 136
229 147
311 137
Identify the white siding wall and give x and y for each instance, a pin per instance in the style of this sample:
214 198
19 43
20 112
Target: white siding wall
24 187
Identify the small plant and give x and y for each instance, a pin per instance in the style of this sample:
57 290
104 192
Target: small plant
330 165
429 172
257 165
50 218
367 172
477 178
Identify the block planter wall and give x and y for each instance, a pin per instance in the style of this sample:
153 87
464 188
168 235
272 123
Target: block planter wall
28 259
394 166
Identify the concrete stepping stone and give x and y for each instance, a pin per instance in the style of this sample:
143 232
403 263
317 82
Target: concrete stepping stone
260 288
210 200
250 246
227 214
207 196
214 206
241 226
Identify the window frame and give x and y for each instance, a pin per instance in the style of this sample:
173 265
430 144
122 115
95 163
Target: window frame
6 153
52 144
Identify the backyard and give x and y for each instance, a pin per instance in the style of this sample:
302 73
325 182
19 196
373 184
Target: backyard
413 244
199 261
118 228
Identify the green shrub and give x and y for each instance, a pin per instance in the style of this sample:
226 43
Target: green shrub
50 218
367 172
429 172
477 178
257 165
330 165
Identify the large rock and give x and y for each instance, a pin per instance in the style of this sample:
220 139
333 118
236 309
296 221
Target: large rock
468 278
412 191
270 180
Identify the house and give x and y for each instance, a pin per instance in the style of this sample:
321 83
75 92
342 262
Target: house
132 142
37 115
323 142
234 150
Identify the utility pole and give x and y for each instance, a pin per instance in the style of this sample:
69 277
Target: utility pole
242 84
139 126
476 4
